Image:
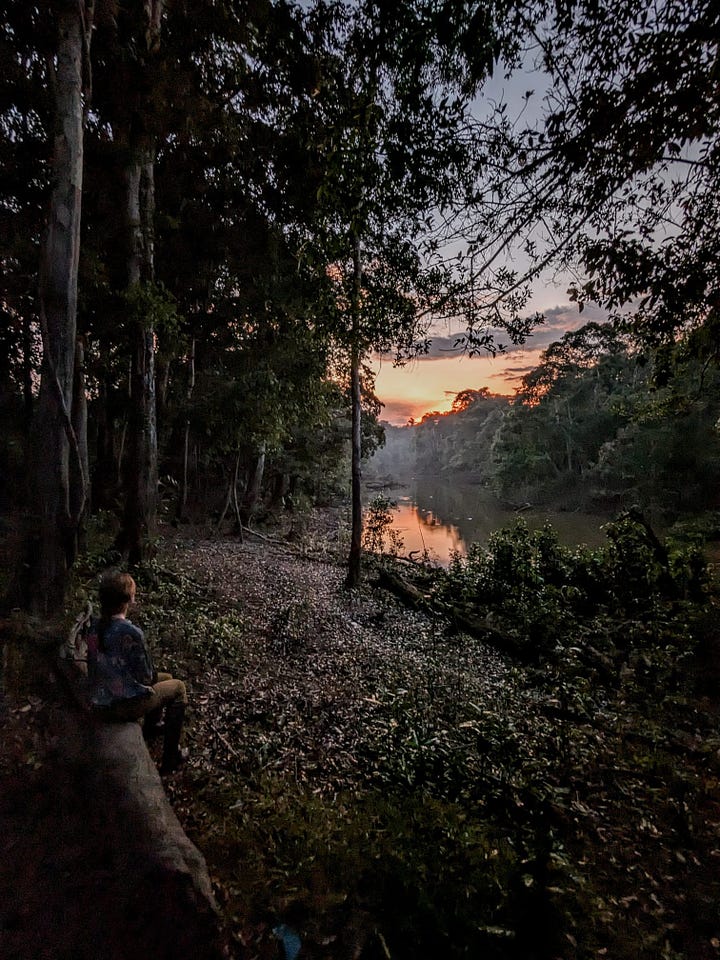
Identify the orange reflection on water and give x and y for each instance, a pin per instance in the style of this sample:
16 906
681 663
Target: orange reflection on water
421 530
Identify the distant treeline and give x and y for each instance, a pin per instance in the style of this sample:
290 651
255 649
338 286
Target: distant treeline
596 422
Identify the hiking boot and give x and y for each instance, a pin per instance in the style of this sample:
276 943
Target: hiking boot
173 756
153 727
171 764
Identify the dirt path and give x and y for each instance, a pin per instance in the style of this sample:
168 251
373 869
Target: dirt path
313 666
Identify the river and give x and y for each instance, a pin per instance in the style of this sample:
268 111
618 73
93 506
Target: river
436 515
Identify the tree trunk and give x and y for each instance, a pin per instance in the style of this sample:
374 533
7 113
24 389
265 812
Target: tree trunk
162 379
141 476
182 498
476 626
253 492
231 498
54 440
80 468
226 505
353 576
106 474
280 489
162 903
142 470
27 369
236 506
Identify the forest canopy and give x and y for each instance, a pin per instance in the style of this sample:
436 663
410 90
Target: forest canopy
596 424
212 213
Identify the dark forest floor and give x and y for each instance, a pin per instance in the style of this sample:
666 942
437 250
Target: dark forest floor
374 785
387 787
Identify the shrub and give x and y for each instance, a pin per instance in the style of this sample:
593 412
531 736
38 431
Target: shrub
378 527
546 595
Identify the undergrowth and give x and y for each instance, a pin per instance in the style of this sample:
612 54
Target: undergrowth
574 815
362 870
549 597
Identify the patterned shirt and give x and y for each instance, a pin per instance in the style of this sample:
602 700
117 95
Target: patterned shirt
121 668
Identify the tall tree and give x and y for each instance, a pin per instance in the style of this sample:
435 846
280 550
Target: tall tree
187 126
139 36
390 113
55 440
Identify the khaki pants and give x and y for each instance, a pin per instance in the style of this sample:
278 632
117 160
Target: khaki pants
164 692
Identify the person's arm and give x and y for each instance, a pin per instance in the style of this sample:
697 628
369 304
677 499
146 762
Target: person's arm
137 656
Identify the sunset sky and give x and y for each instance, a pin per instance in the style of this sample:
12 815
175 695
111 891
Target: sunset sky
431 382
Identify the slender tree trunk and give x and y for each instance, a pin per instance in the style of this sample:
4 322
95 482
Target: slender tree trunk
80 468
353 576
226 505
54 440
253 492
182 499
141 476
121 449
162 379
106 474
236 505
181 511
27 369
231 497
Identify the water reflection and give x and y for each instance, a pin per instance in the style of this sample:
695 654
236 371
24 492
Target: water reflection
436 516
421 531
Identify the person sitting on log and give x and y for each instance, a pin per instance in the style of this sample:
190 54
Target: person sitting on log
124 684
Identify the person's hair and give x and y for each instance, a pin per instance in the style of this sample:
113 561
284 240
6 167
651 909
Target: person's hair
116 590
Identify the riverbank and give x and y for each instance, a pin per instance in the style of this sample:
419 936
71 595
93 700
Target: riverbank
435 516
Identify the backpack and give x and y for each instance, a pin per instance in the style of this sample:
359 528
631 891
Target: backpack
81 645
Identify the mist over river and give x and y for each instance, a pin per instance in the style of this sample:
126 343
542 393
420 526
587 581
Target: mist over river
439 516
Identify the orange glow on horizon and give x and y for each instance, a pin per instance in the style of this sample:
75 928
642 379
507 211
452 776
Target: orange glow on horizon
426 385
430 383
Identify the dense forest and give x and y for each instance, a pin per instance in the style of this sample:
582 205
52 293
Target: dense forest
598 424
212 216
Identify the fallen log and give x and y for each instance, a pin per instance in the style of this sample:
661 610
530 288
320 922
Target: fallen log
405 591
479 628
475 626
169 908
96 863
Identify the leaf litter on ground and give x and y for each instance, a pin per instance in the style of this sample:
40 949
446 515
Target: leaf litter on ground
321 693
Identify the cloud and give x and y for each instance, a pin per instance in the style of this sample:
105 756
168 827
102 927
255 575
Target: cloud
399 411
430 382
558 321
512 374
